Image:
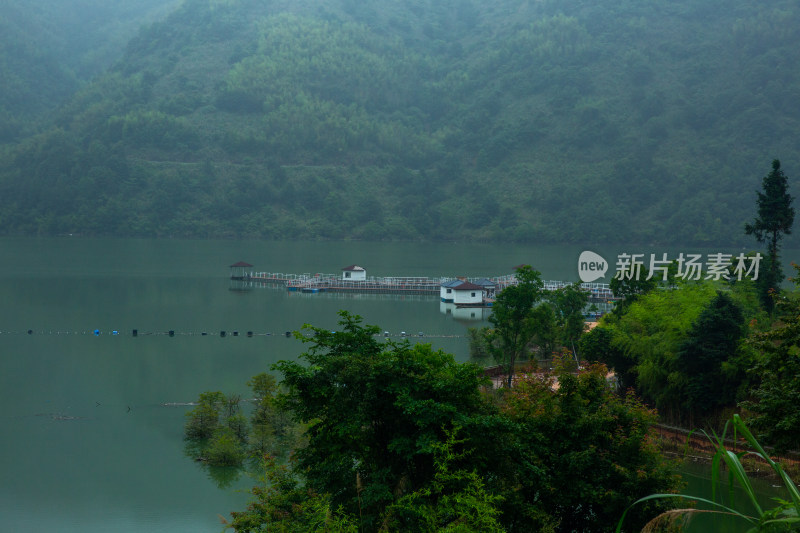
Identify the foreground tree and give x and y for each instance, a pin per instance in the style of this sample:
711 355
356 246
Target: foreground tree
281 503
376 410
514 321
774 220
581 454
629 289
455 500
568 304
774 402
403 438
645 341
707 357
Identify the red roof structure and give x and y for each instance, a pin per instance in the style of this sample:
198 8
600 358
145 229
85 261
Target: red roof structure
467 286
353 268
241 264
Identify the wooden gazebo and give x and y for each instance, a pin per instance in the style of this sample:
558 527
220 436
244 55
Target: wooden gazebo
239 270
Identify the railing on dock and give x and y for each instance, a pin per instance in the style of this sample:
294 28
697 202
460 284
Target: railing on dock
320 282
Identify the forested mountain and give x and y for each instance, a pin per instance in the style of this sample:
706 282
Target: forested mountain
539 121
49 47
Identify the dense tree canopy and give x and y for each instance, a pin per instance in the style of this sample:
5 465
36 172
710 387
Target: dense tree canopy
583 453
376 411
403 438
774 402
680 348
707 356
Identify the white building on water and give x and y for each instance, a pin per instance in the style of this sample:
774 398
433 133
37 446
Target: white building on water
354 273
461 292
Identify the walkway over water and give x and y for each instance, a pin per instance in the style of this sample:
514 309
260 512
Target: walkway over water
319 282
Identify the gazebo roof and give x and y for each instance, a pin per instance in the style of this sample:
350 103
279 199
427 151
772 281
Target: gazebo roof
241 264
354 268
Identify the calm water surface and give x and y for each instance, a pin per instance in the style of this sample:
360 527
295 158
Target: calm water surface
88 444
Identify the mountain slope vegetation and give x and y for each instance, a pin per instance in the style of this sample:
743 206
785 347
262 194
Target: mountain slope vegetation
547 121
48 48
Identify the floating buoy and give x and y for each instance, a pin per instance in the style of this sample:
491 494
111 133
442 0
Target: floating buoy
97 333
249 333
171 333
135 333
222 333
235 333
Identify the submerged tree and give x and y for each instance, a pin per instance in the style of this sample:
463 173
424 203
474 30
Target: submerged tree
774 220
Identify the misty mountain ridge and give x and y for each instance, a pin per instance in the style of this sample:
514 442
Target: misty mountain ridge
520 121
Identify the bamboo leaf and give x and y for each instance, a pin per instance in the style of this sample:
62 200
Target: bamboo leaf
721 509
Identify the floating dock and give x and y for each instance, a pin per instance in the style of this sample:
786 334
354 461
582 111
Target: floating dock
317 283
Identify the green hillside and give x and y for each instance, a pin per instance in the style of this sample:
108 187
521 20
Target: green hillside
48 48
550 121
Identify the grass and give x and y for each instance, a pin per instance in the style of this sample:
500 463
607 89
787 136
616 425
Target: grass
785 512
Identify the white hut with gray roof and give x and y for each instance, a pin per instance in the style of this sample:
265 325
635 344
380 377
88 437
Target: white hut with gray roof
354 273
461 292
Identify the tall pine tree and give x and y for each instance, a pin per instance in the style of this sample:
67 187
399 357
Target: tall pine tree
775 219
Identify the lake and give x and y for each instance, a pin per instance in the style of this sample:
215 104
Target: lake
87 442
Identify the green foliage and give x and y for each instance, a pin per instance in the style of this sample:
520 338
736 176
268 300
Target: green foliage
216 431
581 453
783 516
706 354
568 304
376 410
453 501
514 320
774 401
225 448
629 288
598 345
646 340
402 438
479 351
281 504
48 49
204 418
774 220
273 431
219 434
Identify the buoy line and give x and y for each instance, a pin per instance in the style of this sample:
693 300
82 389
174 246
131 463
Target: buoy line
221 334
